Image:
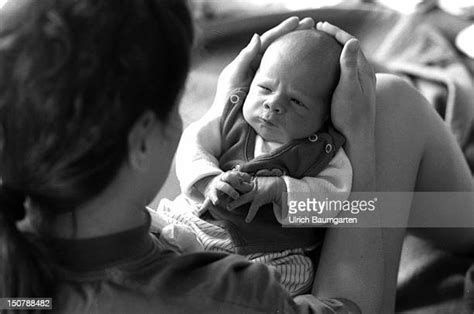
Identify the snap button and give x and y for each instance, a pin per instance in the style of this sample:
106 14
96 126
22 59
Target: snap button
328 148
234 99
313 138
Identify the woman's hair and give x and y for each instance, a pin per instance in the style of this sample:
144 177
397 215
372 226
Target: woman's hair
74 77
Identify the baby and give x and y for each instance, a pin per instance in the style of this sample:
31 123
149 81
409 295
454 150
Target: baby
275 139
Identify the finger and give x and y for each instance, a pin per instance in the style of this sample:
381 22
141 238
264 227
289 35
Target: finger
231 178
288 25
244 176
344 38
235 178
214 197
243 199
253 210
245 187
220 199
249 53
240 185
341 36
306 23
227 189
206 205
365 67
349 61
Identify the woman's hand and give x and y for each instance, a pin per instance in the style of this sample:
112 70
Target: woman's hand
240 72
353 108
353 102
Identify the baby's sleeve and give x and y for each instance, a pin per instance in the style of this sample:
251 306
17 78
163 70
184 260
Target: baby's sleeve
334 181
198 152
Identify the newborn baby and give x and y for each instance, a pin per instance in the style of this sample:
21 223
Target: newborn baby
290 96
276 139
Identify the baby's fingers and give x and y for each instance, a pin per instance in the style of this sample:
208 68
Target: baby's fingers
235 178
220 192
253 210
243 199
244 187
206 205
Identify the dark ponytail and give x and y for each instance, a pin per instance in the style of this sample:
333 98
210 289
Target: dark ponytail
74 78
19 257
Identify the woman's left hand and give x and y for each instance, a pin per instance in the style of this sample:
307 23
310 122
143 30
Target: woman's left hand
353 102
240 72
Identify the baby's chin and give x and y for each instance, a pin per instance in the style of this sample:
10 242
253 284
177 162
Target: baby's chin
271 136
274 134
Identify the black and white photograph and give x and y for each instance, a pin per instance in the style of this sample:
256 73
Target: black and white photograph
237 156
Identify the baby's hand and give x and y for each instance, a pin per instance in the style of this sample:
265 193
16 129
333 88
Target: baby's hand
226 187
265 190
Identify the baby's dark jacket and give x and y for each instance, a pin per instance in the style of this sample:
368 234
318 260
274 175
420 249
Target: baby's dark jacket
297 159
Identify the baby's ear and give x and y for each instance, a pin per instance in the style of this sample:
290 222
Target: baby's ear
139 140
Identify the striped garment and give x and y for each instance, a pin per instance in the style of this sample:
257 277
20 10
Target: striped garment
293 267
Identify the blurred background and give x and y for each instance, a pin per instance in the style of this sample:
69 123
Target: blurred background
212 9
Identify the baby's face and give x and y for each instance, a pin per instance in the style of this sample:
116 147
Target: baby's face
288 98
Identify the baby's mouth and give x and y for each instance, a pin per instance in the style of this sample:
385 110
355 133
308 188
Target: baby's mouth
267 122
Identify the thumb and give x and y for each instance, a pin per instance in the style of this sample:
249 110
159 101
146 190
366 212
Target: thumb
349 60
249 53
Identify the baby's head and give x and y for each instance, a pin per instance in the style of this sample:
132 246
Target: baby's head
290 96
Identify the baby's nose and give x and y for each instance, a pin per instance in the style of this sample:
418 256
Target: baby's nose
274 105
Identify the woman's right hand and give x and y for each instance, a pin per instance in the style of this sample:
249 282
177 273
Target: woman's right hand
240 72
353 102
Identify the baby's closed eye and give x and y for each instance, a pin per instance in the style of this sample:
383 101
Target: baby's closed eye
297 102
264 88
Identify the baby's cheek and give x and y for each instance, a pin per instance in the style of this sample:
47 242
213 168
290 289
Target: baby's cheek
249 111
307 127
